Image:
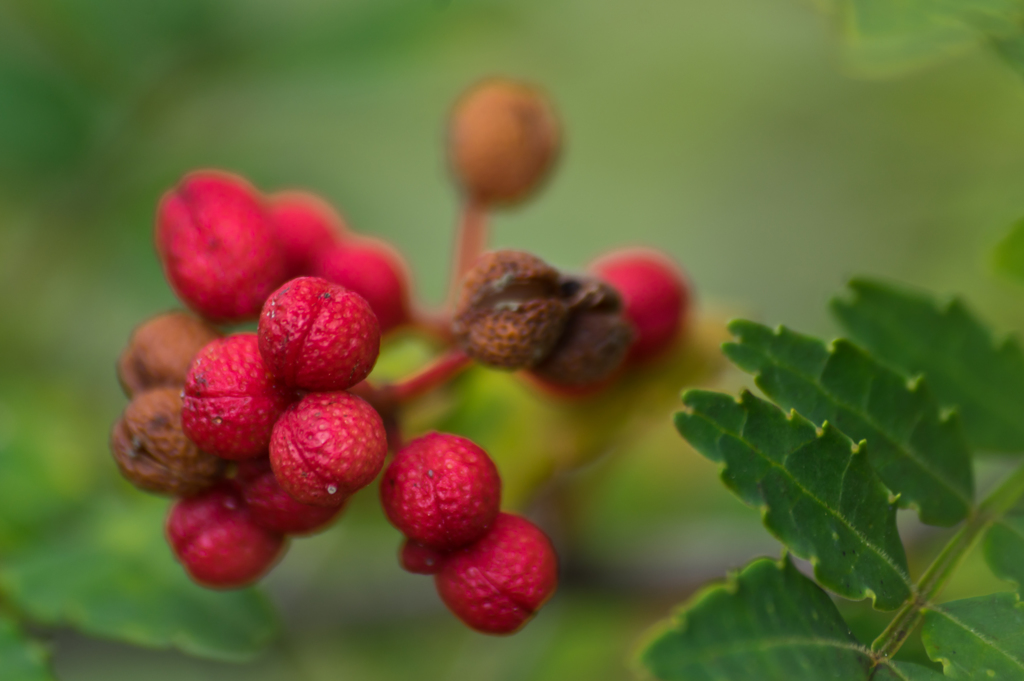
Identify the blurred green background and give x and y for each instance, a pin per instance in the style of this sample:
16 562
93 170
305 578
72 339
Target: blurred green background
722 131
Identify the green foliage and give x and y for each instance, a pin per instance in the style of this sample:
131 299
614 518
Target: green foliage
964 365
768 622
977 638
1004 549
917 453
113 576
20 658
821 496
1008 256
816 489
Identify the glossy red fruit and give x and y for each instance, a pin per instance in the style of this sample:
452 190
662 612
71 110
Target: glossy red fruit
216 539
326 447
305 226
442 491
217 246
655 296
497 584
274 509
317 335
419 559
231 399
375 271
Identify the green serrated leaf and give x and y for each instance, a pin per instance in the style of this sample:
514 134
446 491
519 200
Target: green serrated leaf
114 577
1008 256
21 659
916 452
768 622
1004 549
964 365
816 490
977 638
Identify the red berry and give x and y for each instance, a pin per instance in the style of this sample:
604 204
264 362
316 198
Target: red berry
655 295
305 226
326 447
231 399
318 336
273 509
498 583
216 539
442 491
217 246
373 270
419 559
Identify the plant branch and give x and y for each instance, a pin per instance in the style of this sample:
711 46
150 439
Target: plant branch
440 371
934 579
469 244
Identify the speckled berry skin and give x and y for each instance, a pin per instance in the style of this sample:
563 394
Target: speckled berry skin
419 559
215 538
655 295
217 246
442 491
319 336
375 271
231 399
504 138
327 446
511 312
160 351
497 584
305 226
273 509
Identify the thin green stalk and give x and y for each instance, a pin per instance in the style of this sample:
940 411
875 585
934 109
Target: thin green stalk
934 579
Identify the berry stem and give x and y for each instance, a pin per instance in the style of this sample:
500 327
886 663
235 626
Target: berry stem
435 374
470 243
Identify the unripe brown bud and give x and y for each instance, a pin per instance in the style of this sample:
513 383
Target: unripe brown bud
504 138
511 313
160 350
152 451
596 339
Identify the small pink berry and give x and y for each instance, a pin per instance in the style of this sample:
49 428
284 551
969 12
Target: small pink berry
317 335
375 271
273 509
655 296
442 491
497 584
419 559
217 246
216 539
231 399
305 226
326 447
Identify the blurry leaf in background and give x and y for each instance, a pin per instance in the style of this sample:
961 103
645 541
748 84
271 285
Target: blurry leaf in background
20 658
977 638
918 453
46 458
815 489
1004 549
963 363
770 623
1008 256
886 37
112 575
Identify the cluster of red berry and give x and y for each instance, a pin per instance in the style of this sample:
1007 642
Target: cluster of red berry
267 434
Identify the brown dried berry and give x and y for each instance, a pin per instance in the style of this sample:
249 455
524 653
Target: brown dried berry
504 138
511 313
160 350
152 451
593 346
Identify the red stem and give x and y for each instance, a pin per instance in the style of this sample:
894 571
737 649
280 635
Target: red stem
437 373
469 244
